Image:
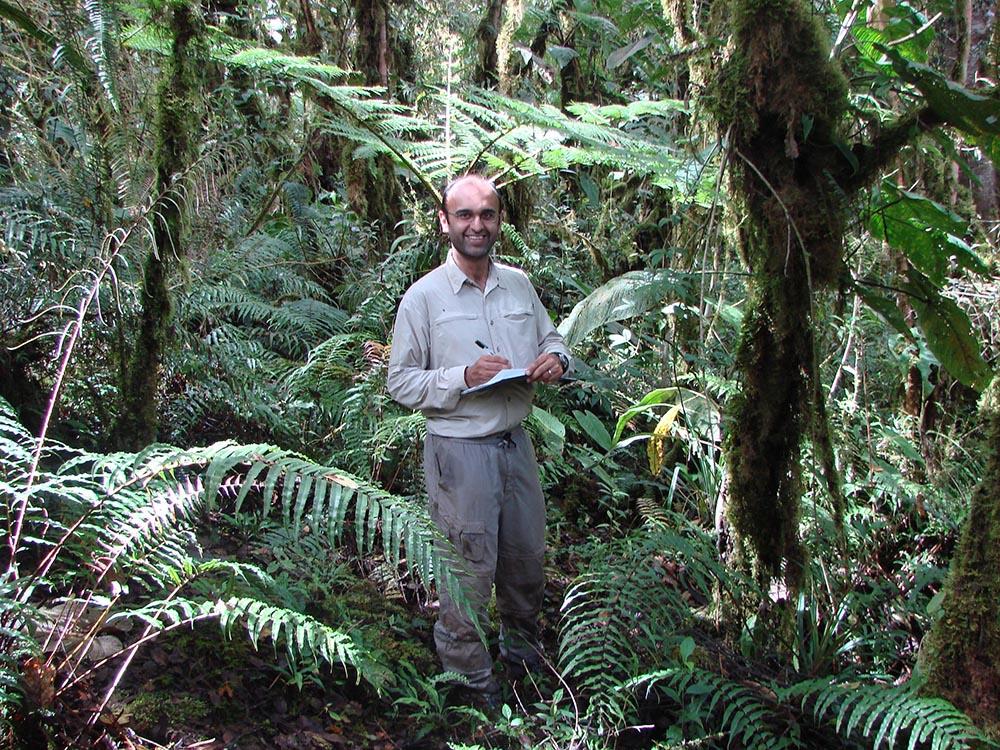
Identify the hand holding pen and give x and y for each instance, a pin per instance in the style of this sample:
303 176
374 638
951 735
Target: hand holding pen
485 367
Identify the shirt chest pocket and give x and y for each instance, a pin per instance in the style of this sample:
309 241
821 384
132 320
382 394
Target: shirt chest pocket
517 332
517 318
519 324
453 338
453 318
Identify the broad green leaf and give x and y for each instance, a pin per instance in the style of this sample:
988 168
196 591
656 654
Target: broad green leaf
926 232
594 428
553 432
900 31
562 55
622 54
886 308
991 147
657 396
948 332
955 104
686 649
589 188
701 414
626 296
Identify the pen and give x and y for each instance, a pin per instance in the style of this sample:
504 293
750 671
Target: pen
483 346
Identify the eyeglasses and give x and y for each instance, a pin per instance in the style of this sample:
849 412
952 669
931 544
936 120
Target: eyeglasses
487 215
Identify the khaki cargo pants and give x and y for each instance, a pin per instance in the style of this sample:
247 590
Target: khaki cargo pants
485 497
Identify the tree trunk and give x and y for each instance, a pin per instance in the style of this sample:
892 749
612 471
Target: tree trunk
372 187
178 123
791 240
487 72
961 654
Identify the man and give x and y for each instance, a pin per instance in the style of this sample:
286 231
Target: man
456 328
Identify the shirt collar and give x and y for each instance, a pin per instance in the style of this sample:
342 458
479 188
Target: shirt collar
457 277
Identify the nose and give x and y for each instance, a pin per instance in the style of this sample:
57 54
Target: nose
477 222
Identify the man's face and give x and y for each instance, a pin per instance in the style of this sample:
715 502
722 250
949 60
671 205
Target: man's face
472 220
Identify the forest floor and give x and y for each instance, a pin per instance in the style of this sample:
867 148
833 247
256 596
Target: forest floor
195 689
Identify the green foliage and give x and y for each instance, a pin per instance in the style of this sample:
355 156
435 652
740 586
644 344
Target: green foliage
969 111
629 610
893 716
129 519
948 331
59 48
931 236
719 708
628 296
282 322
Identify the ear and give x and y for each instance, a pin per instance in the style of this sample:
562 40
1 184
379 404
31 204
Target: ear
443 220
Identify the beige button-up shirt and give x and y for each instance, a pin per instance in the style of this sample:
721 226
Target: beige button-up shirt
440 319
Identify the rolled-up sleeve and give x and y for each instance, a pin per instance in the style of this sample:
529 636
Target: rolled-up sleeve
411 381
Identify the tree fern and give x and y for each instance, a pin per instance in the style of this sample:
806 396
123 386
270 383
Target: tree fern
515 139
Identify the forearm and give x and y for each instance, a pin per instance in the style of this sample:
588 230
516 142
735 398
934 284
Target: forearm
416 388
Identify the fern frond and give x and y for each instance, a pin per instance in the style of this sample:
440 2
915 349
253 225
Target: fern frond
722 705
623 614
891 717
99 45
303 638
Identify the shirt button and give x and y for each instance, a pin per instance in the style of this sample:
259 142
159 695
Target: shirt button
491 322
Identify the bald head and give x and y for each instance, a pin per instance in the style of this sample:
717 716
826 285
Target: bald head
466 178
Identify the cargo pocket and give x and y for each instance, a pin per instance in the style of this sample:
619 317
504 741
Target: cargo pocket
472 542
442 478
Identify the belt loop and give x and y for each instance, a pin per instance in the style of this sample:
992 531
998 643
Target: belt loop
506 441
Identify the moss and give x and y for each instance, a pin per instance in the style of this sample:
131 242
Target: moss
763 443
380 624
178 126
961 655
780 101
164 707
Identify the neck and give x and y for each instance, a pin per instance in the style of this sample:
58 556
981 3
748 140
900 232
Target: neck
477 269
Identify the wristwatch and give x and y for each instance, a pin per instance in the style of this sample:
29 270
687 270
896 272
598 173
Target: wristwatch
563 361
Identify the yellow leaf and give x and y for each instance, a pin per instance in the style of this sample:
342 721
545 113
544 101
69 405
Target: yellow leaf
656 447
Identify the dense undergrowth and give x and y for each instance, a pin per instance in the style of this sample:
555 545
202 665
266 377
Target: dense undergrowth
320 579
265 575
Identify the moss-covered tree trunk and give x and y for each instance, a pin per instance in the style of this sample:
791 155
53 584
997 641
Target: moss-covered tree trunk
177 128
961 654
779 101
